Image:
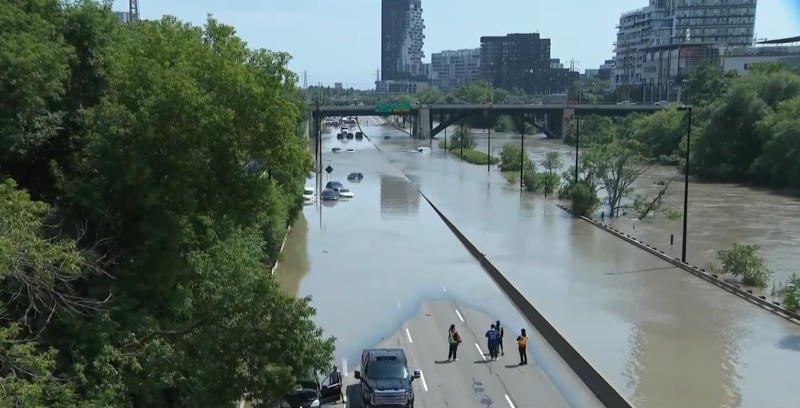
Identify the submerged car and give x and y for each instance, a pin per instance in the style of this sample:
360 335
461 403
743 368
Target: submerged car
359 135
308 194
330 195
334 185
355 177
351 150
340 136
346 193
336 149
350 135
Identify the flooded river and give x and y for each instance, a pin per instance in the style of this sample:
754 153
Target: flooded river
662 336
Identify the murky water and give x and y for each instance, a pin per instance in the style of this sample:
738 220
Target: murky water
660 334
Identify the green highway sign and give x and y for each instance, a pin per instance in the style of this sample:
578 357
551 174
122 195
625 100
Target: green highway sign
395 107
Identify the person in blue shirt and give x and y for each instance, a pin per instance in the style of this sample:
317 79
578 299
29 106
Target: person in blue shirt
494 341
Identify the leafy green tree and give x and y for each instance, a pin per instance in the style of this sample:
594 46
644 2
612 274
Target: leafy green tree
708 83
551 180
463 138
584 198
616 167
744 261
34 67
504 123
38 272
731 142
430 95
660 134
594 129
510 158
779 165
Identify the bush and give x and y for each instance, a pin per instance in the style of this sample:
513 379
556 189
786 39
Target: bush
743 261
476 157
463 137
791 292
584 199
509 158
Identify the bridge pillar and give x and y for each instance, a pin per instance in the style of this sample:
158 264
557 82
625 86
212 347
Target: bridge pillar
566 119
422 125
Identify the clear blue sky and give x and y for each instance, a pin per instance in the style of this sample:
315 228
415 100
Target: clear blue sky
339 41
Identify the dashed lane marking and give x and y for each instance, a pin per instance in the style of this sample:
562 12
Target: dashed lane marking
408 334
344 366
459 316
444 289
480 351
422 377
508 399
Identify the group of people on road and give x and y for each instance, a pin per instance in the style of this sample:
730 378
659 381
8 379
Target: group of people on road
495 343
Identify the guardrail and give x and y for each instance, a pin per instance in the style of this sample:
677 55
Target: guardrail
761 301
601 388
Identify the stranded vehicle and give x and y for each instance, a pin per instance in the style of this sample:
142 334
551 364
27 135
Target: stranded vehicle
385 380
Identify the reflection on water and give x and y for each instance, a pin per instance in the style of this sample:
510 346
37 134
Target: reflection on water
294 263
398 196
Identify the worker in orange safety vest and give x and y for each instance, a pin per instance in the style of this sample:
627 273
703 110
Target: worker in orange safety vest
522 341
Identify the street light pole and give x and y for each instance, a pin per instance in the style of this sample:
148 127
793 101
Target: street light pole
577 146
521 152
687 109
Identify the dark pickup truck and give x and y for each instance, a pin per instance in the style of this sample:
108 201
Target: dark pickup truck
385 380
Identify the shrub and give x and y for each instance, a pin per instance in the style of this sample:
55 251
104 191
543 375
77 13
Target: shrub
791 292
584 199
509 158
743 261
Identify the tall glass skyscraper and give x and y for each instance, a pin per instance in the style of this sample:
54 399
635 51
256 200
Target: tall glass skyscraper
402 38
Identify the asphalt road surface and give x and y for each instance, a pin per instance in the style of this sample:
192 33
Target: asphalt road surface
473 380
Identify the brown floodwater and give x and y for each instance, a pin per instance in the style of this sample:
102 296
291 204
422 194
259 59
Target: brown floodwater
662 336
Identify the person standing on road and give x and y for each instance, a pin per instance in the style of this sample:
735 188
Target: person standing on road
454 339
494 337
522 341
500 341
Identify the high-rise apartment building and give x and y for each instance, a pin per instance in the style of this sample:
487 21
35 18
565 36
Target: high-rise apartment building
523 61
452 69
658 46
402 39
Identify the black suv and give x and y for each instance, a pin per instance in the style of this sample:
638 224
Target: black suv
385 381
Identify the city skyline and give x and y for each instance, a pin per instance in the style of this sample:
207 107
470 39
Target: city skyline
314 39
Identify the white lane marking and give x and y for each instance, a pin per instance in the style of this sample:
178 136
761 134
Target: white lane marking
480 351
511 404
408 334
459 316
344 366
422 377
399 306
444 289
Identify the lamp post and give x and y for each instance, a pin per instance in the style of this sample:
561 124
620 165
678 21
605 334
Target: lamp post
688 110
577 145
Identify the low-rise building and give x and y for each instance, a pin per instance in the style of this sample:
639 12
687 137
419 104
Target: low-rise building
786 50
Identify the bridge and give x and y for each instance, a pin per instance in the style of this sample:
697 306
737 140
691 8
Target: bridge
552 119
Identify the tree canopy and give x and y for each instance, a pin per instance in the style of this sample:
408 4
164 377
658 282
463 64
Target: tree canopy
169 161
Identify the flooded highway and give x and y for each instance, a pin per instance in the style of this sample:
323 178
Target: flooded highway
660 334
370 263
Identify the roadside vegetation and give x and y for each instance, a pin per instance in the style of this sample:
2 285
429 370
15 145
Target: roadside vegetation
744 128
462 144
743 262
148 172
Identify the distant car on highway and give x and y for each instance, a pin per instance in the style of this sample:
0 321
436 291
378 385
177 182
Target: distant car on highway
346 193
625 103
355 177
330 195
385 380
336 149
661 103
